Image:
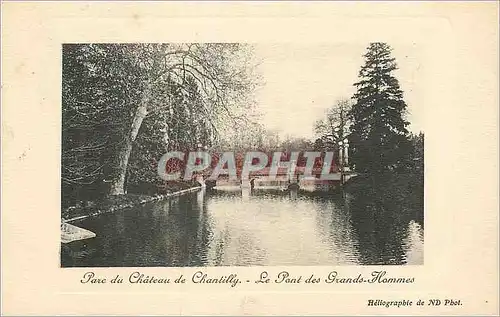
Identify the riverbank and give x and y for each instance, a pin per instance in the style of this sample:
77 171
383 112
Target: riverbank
390 191
120 202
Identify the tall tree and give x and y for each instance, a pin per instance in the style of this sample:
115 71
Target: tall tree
333 129
378 140
147 97
99 83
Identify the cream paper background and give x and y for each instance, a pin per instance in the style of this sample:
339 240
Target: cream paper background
460 60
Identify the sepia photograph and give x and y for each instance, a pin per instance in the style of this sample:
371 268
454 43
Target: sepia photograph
249 158
238 154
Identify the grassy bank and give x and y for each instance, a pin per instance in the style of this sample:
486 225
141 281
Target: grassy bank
107 204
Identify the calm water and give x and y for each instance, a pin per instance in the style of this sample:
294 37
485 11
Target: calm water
263 227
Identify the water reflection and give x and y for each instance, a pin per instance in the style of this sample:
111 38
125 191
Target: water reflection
414 243
381 226
235 227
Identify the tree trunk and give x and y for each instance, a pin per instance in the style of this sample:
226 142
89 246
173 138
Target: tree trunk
118 185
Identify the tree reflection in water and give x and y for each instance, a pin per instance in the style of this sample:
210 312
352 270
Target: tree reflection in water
388 223
258 227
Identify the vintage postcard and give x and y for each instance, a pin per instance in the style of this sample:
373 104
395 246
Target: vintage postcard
249 158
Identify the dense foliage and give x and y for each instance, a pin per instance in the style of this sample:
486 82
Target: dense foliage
124 105
378 139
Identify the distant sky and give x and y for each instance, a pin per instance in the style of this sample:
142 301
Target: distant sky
302 80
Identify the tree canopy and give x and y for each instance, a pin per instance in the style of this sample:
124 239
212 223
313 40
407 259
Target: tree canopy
378 139
124 105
